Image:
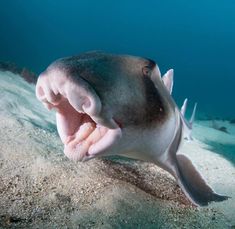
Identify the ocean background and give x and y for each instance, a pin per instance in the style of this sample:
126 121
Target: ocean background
196 38
40 187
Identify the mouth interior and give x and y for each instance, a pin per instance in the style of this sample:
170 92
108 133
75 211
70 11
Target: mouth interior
81 135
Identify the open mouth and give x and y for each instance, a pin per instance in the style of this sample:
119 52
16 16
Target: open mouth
83 136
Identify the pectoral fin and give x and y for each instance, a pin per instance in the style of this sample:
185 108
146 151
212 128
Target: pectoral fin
193 185
168 80
187 176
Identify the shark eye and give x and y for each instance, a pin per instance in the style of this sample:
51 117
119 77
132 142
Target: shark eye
146 71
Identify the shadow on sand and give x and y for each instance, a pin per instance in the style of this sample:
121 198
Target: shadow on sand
227 151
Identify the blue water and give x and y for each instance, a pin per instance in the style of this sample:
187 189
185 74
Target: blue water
196 38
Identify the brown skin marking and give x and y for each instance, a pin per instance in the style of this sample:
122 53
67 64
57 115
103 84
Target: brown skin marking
155 109
115 76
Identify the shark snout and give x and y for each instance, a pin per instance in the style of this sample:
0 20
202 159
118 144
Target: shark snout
54 87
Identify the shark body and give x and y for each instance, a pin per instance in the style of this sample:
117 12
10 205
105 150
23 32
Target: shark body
110 104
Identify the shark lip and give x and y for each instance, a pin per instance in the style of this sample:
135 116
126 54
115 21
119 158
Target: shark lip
83 137
84 132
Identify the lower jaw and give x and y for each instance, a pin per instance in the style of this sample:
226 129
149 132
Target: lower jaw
88 157
78 156
97 149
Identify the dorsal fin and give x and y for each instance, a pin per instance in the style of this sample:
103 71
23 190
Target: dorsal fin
193 115
188 125
184 107
168 80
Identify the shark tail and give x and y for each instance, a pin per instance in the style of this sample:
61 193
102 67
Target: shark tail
187 176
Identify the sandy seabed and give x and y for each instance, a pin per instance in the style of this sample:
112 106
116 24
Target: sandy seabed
41 188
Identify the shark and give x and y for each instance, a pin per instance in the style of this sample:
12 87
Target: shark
108 104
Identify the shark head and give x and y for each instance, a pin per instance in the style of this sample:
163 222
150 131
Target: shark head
98 98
